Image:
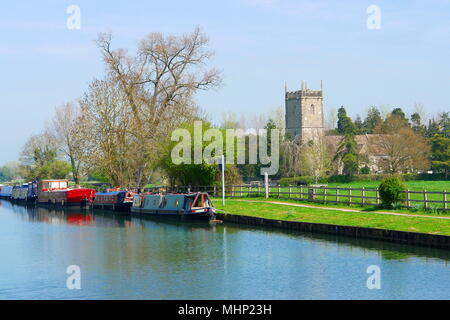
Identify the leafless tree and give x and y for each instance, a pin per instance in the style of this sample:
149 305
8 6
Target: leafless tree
157 87
401 150
66 129
316 158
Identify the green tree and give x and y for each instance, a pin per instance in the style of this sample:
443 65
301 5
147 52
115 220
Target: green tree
417 125
444 124
440 154
187 173
347 153
391 191
398 112
373 119
344 123
359 124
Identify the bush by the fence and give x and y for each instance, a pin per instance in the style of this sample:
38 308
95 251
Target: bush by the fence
391 191
299 180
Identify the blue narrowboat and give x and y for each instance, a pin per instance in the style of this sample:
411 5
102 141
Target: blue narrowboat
6 192
185 206
117 201
19 193
32 194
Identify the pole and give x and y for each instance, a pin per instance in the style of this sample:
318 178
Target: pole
223 179
266 182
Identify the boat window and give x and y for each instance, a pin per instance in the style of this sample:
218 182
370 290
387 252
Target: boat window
198 203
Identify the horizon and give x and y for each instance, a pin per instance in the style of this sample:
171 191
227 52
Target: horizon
260 45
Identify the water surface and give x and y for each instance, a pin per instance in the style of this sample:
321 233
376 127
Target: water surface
129 257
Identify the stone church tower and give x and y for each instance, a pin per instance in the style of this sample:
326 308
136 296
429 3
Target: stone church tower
304 113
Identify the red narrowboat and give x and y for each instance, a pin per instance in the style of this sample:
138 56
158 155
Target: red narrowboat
57 192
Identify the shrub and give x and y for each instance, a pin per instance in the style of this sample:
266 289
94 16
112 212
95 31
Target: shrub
391 191
293 181
365 170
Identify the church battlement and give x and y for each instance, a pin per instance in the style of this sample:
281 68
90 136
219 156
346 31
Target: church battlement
303 93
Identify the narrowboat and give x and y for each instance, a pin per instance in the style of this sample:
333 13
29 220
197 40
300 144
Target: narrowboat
19 193
57 192
185 206
32 192
6 192
114 200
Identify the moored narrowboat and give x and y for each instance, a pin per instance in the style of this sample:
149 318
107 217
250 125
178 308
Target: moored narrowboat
6 192
57 192
184 206
32 194
113 200
19 193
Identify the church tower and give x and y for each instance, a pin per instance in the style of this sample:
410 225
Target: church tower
304 113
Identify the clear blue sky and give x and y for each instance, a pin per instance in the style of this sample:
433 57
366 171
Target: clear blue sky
259 45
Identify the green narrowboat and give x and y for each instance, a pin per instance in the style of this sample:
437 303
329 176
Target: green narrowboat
196 206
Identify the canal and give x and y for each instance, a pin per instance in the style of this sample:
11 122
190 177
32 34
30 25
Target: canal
128 257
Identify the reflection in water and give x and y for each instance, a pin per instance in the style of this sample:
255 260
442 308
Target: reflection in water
133 257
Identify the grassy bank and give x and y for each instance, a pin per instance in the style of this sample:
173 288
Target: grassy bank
322 215
370 186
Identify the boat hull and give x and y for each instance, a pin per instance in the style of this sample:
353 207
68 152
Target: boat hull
67 198
119 207
176 214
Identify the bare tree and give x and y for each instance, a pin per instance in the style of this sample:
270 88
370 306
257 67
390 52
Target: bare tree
290 158
158 85
316 158
399 147
66 129
110 142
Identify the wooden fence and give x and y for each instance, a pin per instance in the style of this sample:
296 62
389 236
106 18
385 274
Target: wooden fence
323 194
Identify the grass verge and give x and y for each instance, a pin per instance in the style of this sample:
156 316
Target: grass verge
322 215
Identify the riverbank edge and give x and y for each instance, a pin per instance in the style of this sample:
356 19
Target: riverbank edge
405 237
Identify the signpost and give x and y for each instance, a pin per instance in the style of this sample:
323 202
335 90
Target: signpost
266 183
222 170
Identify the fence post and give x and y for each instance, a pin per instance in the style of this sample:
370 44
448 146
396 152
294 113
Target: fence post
377 195
266 185
215 191
240 190
363 195
301 192
444 197
425 198
290 190
337 194
324 195
408 199
279 191
349 195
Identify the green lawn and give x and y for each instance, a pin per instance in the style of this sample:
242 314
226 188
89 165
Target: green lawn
322 215
415 185
435 199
